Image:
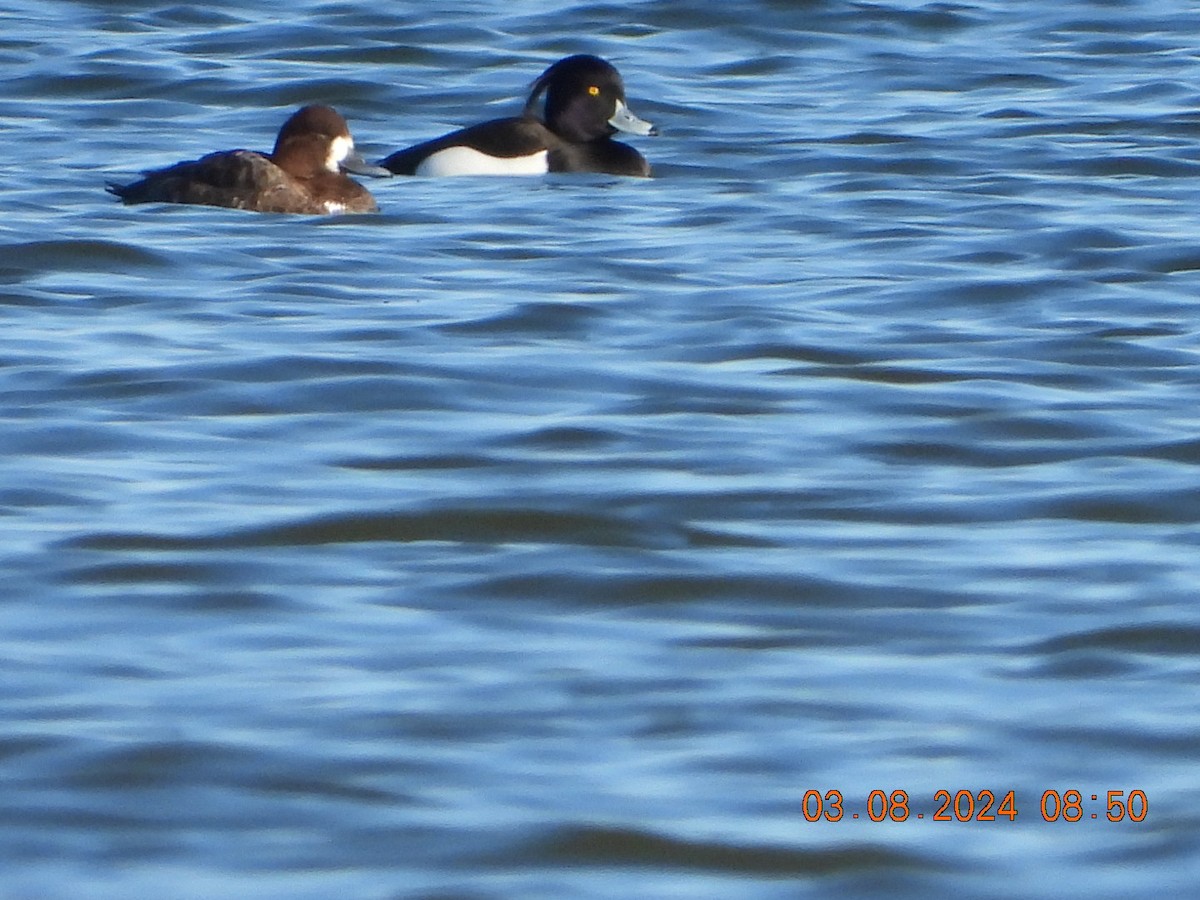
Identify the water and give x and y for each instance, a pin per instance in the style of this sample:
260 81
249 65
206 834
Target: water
553 537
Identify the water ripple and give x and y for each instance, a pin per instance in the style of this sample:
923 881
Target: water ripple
553 537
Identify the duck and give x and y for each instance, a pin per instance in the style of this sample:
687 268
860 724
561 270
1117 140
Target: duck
585 106
304 173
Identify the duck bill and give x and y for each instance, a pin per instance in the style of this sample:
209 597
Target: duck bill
356 165
624 120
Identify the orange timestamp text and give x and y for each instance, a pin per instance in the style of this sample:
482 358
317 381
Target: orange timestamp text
984 805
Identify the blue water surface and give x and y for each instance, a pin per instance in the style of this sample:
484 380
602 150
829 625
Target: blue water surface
577 536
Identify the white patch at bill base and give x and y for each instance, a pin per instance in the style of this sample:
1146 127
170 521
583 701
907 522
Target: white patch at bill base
339 149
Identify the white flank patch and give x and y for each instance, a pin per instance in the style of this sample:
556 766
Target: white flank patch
466 161
332 206
339 149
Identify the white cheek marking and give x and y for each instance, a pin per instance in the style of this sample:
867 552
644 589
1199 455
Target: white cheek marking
467 161
339 149
332 206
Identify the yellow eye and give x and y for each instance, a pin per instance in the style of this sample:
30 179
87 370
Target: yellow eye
594 91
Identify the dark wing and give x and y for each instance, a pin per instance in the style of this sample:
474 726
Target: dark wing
504 138
237 179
